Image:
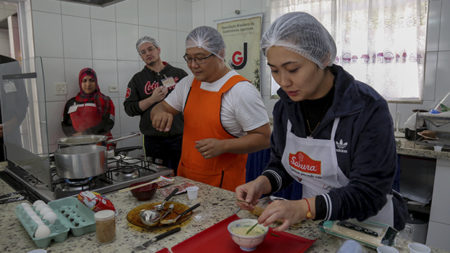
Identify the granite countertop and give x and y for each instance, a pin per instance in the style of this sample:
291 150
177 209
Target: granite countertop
216 205
407 147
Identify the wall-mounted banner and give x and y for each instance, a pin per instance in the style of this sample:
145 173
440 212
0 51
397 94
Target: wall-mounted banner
242 38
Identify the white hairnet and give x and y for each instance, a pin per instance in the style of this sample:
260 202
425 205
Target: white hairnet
207 38
146 39
303 34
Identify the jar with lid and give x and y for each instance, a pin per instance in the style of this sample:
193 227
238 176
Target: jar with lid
105 226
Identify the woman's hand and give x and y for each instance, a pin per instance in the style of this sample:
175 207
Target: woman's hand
287 211
209 148
249 193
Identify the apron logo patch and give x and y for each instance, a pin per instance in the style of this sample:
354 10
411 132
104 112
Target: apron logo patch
341 146
302 162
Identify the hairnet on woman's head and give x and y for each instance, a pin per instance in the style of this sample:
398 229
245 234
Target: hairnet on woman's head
207 38
146 39
303 34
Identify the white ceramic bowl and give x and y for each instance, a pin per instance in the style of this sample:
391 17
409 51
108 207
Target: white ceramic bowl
247 242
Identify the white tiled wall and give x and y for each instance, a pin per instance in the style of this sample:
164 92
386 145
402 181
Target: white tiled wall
71 36
81 35
437 76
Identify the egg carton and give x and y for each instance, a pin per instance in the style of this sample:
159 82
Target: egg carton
74 215
58 231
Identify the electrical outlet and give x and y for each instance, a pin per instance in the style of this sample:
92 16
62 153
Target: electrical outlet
113 88
60 88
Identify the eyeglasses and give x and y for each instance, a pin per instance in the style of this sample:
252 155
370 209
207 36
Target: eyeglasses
197 60
148 49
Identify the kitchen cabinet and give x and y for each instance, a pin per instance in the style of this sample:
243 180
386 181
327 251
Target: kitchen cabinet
439 214
439 226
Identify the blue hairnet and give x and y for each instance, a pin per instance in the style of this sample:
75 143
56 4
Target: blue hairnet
303 34
207 38
146 39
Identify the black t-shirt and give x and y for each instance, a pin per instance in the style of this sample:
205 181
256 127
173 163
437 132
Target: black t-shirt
314 110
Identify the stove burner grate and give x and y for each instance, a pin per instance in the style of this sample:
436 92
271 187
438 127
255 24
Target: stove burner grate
78 182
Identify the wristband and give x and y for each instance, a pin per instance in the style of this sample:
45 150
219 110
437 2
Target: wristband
308 214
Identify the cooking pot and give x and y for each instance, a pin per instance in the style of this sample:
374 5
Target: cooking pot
91 140
80 161
83 156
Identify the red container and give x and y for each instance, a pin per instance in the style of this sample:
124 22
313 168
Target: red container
145 192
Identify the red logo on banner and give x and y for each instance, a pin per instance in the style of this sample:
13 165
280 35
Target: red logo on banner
302 162
128 93
237 58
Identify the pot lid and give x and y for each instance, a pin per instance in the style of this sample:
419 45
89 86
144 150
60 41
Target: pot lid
81 140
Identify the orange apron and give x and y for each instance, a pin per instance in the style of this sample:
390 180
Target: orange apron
201 121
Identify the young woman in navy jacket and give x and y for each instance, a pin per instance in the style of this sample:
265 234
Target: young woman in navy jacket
331 133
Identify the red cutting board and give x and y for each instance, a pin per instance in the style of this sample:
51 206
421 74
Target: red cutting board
217 239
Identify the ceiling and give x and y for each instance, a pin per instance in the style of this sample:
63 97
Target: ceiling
6 9
101 3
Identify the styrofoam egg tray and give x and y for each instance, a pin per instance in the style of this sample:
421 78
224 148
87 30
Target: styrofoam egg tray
58 231
74 215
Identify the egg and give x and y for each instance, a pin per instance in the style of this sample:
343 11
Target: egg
42 231
50 216
25 205
45 210
38 202
37 220
38 208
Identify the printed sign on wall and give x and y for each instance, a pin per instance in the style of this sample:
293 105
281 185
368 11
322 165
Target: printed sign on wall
242 38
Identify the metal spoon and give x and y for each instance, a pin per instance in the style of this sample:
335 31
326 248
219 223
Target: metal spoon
160 207
152 217
171 207
180 215
148 217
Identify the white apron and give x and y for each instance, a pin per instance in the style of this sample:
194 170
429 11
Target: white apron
313 163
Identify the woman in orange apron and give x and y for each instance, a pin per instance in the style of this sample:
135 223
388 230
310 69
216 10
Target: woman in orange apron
224 116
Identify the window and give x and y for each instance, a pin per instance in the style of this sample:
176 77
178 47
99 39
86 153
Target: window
380 42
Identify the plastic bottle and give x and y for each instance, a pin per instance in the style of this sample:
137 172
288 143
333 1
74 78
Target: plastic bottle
105 226
351 246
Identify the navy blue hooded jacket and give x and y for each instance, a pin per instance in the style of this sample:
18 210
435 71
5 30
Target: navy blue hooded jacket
365 150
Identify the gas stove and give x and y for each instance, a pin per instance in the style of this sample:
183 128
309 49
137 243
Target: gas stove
122 172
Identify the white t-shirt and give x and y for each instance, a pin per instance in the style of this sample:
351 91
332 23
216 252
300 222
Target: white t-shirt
242 107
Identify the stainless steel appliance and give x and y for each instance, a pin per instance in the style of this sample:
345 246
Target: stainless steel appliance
121 171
